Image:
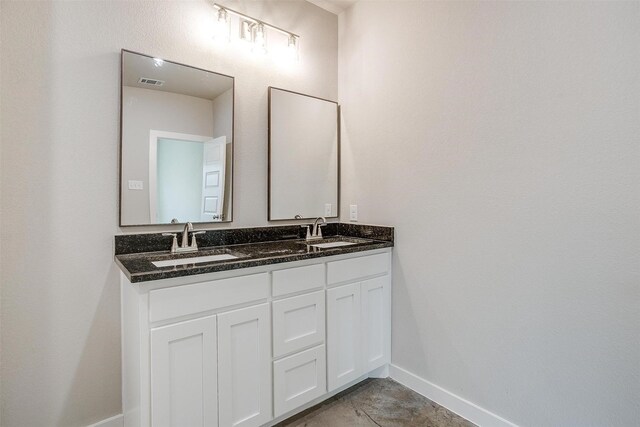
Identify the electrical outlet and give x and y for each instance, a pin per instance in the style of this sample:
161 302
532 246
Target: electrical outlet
353 212
327 209
136 185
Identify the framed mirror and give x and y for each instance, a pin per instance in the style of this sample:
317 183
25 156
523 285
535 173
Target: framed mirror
176 143
304 156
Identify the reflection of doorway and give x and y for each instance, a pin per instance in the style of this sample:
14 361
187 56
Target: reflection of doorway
186 177
213 169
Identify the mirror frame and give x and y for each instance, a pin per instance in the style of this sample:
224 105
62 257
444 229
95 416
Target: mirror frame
233 138
339 151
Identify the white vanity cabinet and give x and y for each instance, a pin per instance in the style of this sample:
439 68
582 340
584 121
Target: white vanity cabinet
251 347
359 318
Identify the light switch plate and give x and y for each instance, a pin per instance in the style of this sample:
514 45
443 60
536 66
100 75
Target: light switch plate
327 209
353 212
136 185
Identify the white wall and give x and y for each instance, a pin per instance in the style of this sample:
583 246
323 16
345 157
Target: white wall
59 183
502 140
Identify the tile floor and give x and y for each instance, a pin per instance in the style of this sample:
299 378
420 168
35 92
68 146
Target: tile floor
377 402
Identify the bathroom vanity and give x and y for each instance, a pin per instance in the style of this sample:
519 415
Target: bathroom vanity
277 325
238 327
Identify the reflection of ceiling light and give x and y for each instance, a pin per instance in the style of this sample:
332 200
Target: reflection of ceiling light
158 62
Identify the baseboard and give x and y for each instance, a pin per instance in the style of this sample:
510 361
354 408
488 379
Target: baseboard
454 403
381 372
116 421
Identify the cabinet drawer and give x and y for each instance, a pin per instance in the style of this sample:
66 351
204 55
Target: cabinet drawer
189 299
299 379
298 279
357 268
298 322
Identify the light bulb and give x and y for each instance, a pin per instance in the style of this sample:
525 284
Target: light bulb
292 48
223 16
221 33
259 40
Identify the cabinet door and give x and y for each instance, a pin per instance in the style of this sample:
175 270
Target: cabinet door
183 374
244 365
344 353
376 322
299 379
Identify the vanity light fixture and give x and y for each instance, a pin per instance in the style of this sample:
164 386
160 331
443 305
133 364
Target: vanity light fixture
253 31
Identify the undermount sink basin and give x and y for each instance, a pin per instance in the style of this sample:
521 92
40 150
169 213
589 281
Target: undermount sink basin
332 245
193 260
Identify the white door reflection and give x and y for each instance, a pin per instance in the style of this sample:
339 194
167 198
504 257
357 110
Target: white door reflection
214 161
186 177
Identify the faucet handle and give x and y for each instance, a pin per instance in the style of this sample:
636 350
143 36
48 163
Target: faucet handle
308 227
194 244
174 242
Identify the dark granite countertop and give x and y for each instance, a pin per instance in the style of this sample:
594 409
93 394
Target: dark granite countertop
138 266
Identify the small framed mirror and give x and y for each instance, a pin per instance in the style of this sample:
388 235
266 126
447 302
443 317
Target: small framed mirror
176 144
304 156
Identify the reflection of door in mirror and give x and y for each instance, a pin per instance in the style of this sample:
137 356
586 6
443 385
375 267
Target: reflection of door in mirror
213 165
186 177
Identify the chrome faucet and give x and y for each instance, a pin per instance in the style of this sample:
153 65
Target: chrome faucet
184 246
188 227
316 232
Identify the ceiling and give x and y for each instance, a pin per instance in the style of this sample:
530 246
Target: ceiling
177 78
333 6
